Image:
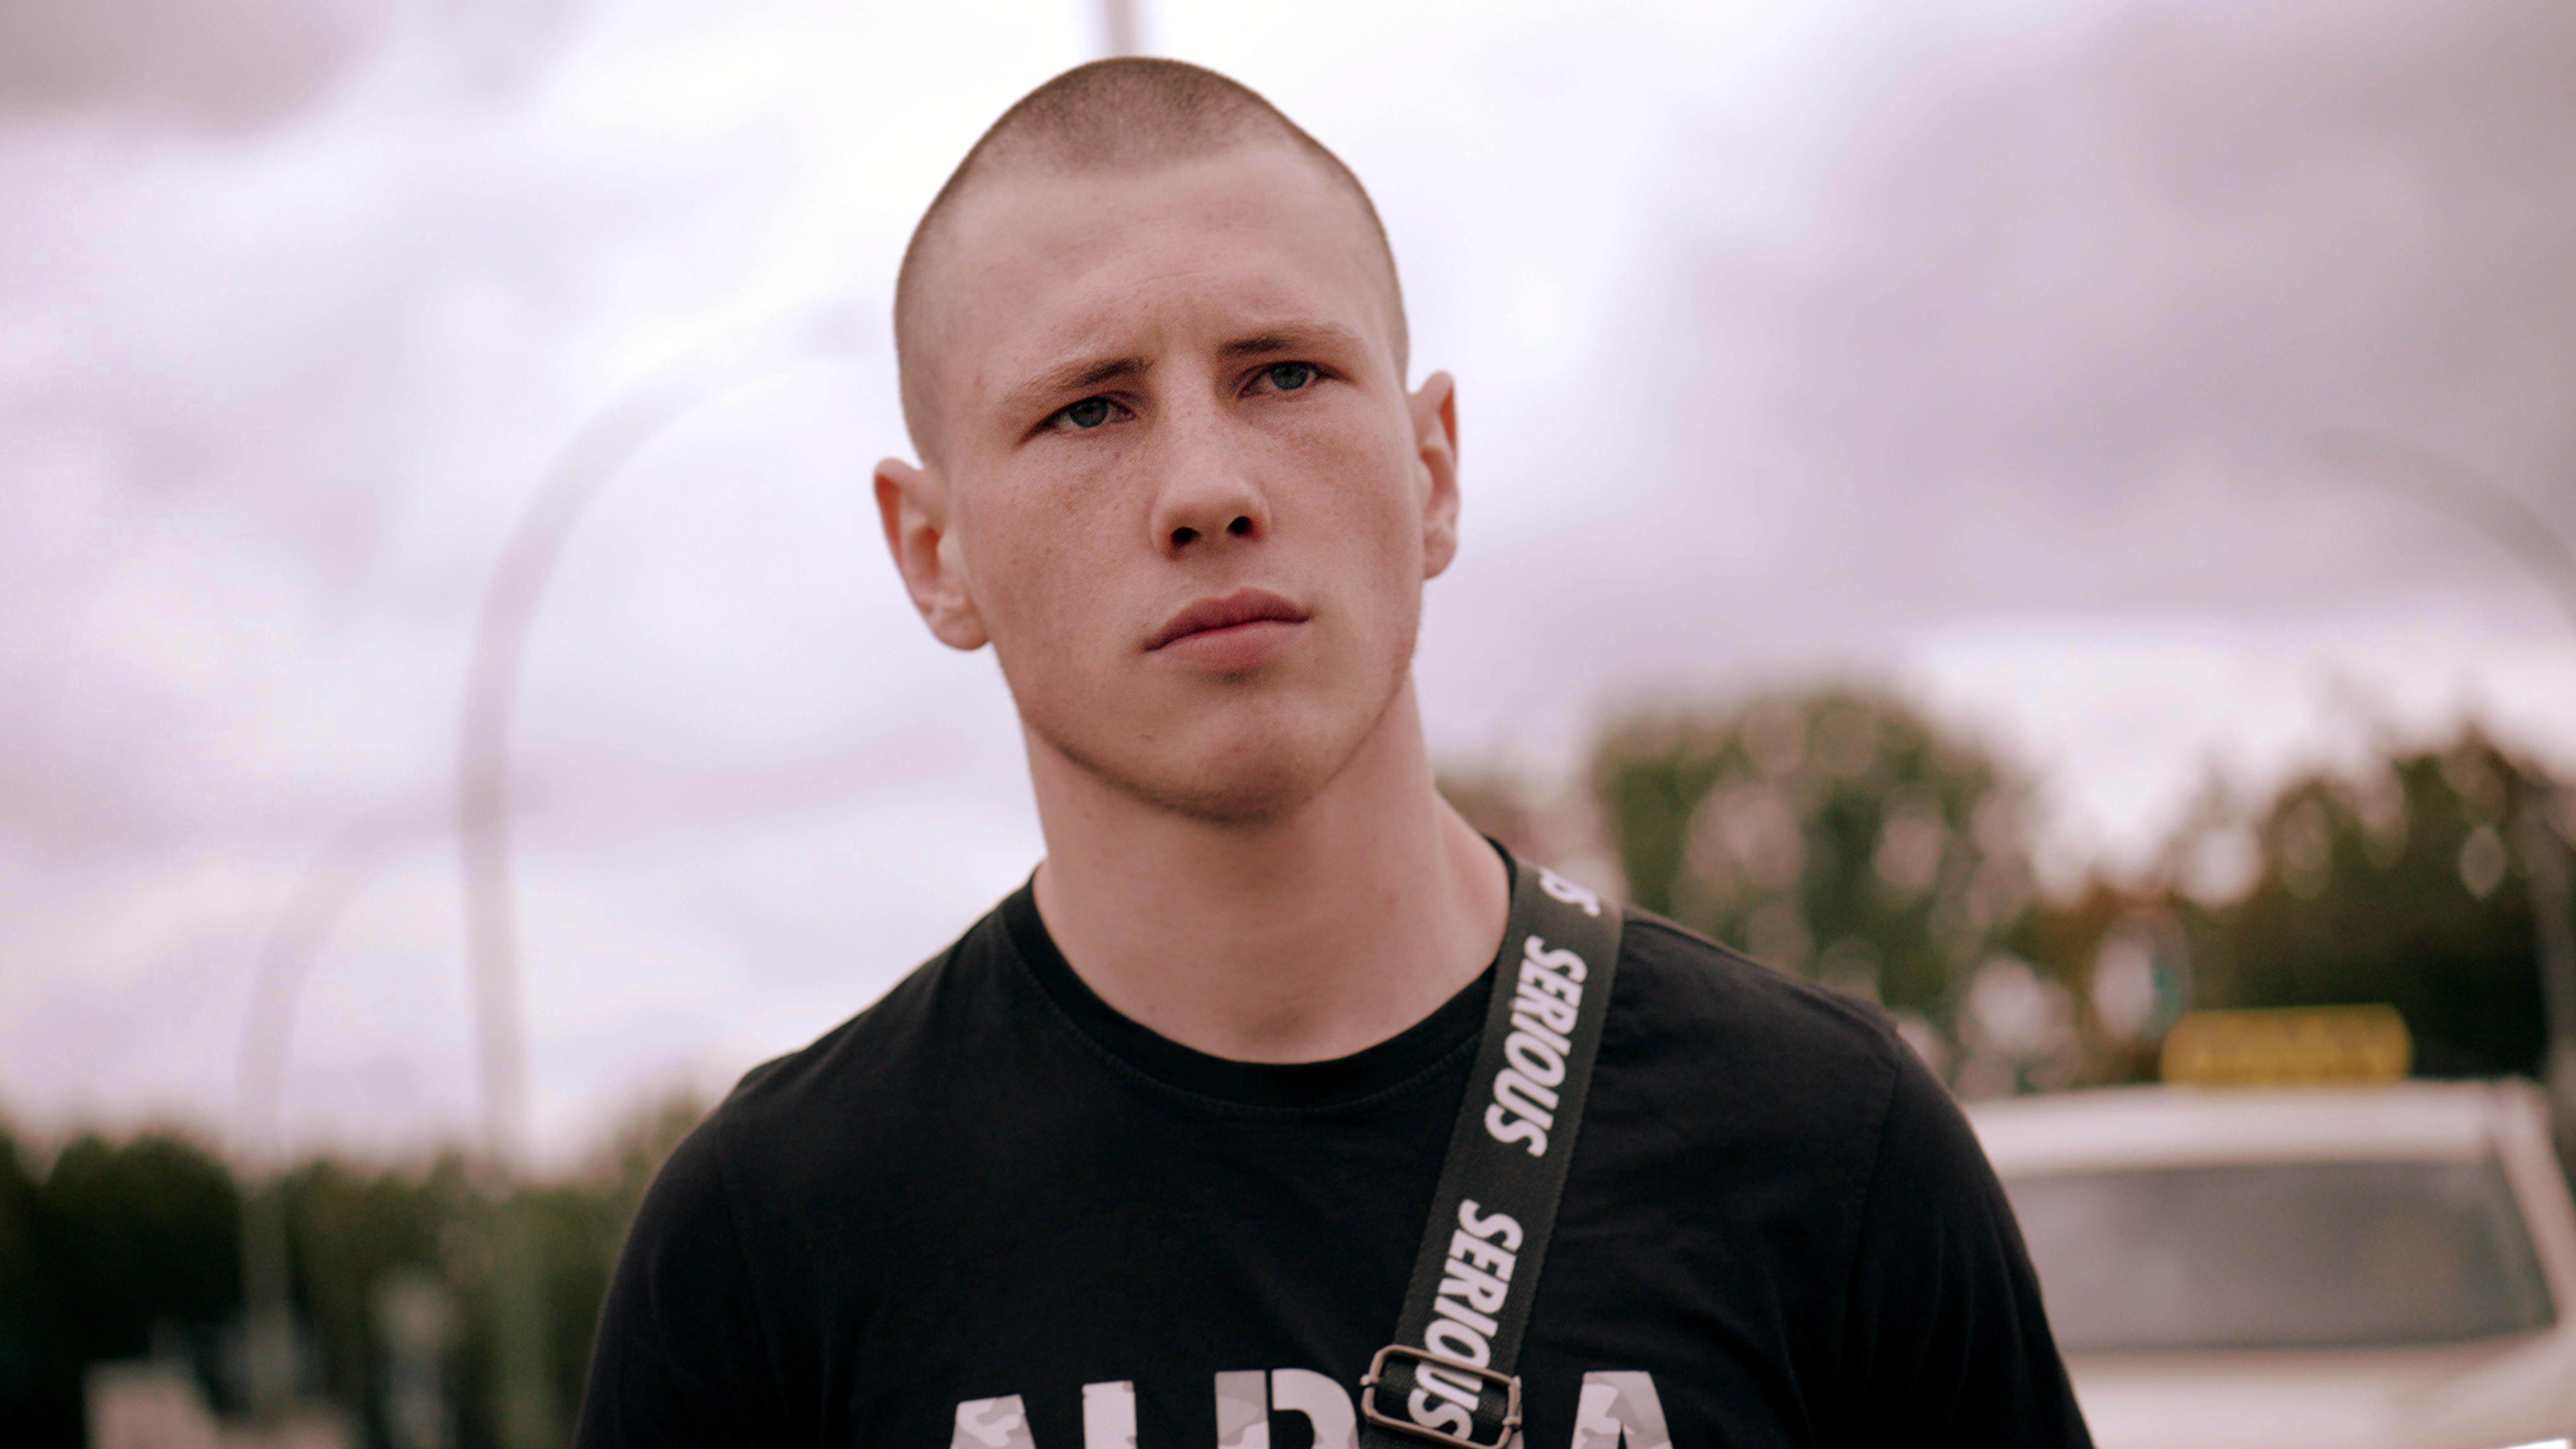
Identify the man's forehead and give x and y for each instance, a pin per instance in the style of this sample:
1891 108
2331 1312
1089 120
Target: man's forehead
1030 249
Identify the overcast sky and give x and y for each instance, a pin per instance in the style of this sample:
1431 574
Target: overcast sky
1969 346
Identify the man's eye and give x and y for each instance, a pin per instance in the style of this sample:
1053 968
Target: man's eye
1289 376
1087 414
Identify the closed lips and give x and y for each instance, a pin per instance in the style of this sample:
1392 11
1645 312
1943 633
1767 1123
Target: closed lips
1244 606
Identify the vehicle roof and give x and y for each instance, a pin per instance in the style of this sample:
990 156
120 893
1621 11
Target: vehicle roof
2175 1126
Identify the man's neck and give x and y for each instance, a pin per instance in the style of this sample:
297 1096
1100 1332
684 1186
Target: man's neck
1301 939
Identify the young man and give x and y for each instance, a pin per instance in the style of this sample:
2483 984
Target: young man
1145 1160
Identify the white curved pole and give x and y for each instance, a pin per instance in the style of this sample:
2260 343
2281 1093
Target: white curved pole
510 601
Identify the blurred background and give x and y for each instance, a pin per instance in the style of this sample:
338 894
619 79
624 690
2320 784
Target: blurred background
2043 516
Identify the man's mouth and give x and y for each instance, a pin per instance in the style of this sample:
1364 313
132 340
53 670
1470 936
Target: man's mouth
1231 611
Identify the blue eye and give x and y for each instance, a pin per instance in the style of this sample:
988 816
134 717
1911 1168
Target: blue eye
1290 376
1089 413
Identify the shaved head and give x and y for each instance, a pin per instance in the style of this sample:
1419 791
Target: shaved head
1132 114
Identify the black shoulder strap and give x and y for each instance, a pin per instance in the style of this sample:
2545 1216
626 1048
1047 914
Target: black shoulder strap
1448 1378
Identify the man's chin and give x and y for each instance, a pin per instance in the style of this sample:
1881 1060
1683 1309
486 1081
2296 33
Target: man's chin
1255 760
1236 793
1252 770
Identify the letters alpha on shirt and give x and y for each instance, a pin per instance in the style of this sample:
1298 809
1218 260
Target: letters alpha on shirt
1616 1411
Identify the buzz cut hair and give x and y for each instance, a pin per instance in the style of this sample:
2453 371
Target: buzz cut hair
1128 114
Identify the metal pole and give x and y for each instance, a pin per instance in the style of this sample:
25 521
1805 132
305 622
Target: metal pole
2521 530
295 940
2469 496
527 1411
1118 28
2544 861
509 608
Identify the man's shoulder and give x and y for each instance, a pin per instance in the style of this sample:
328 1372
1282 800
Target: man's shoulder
1713 1036
875 1040
1682 983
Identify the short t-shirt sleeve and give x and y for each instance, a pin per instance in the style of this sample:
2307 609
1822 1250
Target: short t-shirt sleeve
682 1356
1945 1340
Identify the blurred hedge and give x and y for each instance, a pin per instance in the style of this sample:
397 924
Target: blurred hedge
1840 834
122 1249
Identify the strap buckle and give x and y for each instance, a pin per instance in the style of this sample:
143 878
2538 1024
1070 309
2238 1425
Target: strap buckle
1510 1384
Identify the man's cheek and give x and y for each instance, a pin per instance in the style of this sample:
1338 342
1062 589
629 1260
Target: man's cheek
1034 587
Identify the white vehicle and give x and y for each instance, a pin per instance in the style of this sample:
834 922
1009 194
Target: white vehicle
2358 1266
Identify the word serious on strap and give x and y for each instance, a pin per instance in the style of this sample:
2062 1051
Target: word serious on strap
1448 1377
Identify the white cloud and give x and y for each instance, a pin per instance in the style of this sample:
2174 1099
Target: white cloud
1970 341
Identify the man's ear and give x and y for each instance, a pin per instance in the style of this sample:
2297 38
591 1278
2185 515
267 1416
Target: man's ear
1435 439
913 506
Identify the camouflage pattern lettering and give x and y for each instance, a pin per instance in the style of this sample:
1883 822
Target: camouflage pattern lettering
992 1424
1322 1401
1109 1415
1617 1406
1617 1411
1242 1411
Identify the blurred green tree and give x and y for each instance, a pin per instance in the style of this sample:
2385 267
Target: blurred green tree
116 1244
1836 833
2399 883
347 1232
24 1316
119 1250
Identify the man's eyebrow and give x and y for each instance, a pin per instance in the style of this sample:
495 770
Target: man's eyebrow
1291 339
1091 372
1076 375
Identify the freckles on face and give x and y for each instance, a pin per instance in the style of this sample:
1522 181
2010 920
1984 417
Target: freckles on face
1173 394
1088 543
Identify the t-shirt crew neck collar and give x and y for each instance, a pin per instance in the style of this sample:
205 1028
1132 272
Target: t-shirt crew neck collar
1425 1051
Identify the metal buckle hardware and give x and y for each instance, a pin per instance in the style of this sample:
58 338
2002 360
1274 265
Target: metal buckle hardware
1510 1384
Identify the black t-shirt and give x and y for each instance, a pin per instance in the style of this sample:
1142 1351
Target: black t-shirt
991 1213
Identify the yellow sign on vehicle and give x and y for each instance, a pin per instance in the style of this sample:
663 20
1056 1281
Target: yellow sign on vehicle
2289 1046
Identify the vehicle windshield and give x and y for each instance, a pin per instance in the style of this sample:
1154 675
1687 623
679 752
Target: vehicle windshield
2281 1255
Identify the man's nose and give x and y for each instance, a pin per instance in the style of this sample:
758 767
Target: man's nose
1207 496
